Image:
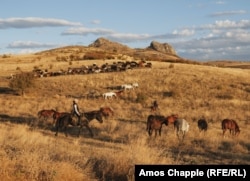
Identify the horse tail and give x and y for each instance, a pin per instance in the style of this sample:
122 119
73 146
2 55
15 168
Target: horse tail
150 117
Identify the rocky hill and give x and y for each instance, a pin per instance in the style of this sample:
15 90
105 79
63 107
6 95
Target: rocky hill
105 49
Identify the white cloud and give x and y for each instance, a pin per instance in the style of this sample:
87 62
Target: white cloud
86 31
31 22
228 13
227 24
95 21
220 2
184 32
29 44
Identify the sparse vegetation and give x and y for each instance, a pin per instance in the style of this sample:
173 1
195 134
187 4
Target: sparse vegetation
22 81
121 141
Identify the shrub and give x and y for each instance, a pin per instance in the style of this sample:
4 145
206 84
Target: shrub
141 98
94 55
171 65
22 81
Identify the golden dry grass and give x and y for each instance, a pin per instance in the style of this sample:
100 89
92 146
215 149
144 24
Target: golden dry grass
191 91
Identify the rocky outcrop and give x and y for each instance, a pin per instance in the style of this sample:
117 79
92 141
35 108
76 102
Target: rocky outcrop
162 47
109 45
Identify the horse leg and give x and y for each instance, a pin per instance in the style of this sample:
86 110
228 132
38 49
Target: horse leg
156 132
79 131
90 131
66 131
183 135
149 131
223 133
57 128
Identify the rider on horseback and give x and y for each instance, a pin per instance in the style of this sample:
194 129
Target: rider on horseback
155 104
76 111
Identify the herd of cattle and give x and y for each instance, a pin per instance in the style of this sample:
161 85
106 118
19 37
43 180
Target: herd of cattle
94 68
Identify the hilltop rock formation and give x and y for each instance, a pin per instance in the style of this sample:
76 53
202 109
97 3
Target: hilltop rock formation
109 46
162 47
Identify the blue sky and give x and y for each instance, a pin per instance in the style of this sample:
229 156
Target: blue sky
197 29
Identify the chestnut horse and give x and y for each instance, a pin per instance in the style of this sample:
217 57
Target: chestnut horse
171 119
155 122
56 115
45 114
107 111
231 125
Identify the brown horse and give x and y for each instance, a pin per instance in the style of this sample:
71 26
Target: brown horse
65 120
107 111
155 122
45 114
57 115
171 119
231 125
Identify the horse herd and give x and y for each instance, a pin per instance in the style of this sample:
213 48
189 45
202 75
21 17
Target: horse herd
62 120
122 88
155 122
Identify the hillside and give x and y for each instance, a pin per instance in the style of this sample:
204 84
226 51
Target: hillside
31 151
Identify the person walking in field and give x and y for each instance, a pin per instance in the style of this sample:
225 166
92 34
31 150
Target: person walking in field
154 106
76 111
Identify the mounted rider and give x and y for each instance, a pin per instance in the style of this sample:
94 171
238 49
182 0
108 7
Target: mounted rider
76 112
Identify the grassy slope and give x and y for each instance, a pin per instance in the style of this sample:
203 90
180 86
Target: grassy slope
191 91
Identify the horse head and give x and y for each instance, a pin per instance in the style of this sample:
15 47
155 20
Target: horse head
99 117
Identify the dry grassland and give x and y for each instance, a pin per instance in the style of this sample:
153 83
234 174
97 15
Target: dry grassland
191 91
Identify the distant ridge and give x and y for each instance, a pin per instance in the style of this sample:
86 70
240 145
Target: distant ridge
154 52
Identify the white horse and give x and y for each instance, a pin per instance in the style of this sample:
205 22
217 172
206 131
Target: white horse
109 95
135 85
127 87
181 126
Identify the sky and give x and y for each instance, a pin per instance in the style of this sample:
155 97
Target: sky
202 30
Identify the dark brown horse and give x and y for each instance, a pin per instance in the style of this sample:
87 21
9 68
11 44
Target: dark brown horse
45 114
65 120
202 124
155 122
231 125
